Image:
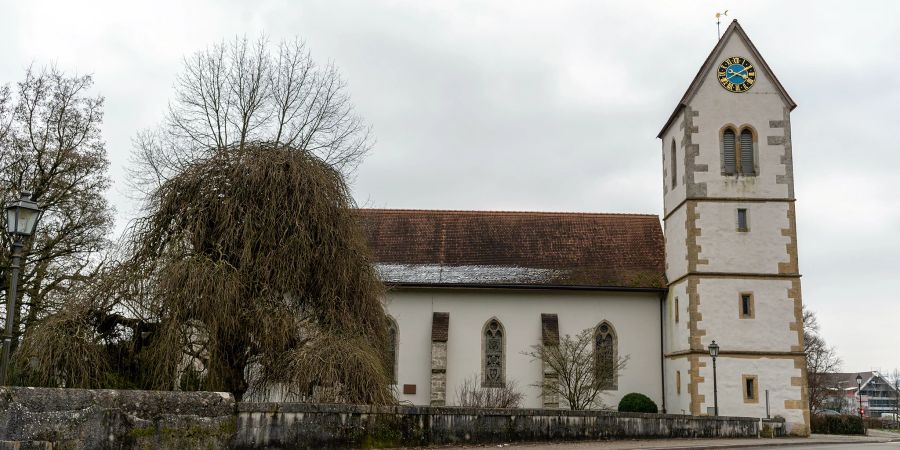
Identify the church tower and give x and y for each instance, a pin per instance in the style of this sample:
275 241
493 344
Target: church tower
731 243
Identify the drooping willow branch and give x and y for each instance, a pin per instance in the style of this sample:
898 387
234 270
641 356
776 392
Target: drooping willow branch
256 274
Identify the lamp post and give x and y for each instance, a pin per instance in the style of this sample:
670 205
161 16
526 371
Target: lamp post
859 393
897 399
714 353
21 220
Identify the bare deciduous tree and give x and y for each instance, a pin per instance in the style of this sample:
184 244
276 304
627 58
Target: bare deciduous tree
581 375
471 394
821 359
50 144
236 93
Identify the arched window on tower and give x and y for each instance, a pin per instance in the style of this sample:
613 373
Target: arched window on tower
493 360
729 152
747 161
393 344
606 356
674 166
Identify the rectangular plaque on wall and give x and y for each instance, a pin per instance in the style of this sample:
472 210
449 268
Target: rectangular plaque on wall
409 389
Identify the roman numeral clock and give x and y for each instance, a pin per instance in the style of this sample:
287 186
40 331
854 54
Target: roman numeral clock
737 74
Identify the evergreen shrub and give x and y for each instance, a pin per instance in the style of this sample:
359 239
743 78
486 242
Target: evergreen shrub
635 402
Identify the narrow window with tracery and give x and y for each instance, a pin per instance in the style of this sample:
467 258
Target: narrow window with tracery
393 342
494 335
605 355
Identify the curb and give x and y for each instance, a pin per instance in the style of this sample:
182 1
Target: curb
773 444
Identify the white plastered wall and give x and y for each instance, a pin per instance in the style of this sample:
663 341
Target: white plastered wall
774 374
673 196
678 402
676 250
769 329
635 317
758 250
677 333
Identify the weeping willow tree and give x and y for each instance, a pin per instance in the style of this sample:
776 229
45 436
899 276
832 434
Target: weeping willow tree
249 271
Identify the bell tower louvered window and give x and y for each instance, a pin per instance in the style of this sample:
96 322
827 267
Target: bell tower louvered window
747 163
729 152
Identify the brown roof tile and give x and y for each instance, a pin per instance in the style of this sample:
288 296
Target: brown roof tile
527 249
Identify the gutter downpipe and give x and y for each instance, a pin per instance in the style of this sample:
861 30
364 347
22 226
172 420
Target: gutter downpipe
662 348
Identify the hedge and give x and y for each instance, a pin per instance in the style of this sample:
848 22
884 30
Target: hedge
833 424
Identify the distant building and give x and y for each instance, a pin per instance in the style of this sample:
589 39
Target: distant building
470 291
878 395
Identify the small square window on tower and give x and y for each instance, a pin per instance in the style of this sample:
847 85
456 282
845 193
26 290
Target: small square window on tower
750 388
742 224
747 309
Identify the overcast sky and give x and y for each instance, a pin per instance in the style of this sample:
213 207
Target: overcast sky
539 105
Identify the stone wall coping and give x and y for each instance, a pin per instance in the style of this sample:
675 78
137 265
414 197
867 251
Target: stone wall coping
40 399
288 407
222 403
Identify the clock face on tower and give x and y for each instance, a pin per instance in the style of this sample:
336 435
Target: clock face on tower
736 74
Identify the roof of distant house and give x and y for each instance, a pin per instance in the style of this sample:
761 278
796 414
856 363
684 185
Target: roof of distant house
847 380
516 249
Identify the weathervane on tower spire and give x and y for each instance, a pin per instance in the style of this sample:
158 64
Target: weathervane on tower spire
718 15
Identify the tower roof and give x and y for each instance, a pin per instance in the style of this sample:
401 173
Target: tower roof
731 31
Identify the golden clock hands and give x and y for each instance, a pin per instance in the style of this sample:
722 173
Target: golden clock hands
732 72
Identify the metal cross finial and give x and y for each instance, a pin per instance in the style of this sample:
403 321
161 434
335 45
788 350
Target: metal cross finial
718 15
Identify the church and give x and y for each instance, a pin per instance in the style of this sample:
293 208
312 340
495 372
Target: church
470 291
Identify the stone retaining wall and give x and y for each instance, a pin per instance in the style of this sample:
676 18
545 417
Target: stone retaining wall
297 425
88 419
45 418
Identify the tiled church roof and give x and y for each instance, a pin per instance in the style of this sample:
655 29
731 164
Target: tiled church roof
516 249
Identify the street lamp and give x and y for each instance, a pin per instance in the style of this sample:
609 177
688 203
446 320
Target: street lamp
714 353
859 393
21 220
896 398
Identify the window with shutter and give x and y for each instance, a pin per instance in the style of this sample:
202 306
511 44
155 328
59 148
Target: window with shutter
747 163
729 160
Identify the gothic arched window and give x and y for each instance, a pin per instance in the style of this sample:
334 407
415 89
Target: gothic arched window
729 152
494 346
606 356
393 343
